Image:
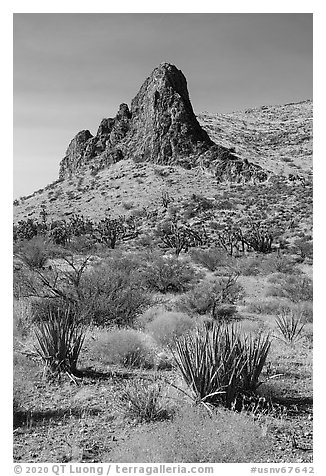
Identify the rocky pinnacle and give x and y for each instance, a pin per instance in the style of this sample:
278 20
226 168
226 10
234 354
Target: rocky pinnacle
160 127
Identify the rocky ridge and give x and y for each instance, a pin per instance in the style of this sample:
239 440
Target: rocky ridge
160 127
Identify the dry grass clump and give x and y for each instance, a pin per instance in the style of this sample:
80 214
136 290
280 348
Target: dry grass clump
193 436
127 347
168 326
143 401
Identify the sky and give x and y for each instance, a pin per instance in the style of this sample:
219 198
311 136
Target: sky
72 70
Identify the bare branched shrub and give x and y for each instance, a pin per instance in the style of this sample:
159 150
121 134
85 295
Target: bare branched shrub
211 297
109 293
34 253
180 236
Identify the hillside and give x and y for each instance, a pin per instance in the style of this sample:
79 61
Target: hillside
255 163
129 188
276 137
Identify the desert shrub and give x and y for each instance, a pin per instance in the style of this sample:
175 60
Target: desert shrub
274 307
212 258
83 244
208 297
148 316
25 229
168 326
21 281
221 363
127 347
279 264
180 236
109 293
266 306
197 204
193 436
304 247
296 288
142 401
225 312
113 295
250 266
168 274
58 280
34 253
145 240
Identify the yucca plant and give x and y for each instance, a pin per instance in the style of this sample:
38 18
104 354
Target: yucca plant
290 326
195 365
60 339
142 401
210 364
256 349
219 363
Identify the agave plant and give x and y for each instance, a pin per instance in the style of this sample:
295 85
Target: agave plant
60 339
290 326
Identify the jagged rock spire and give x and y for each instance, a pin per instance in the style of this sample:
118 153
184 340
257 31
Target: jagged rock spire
160 127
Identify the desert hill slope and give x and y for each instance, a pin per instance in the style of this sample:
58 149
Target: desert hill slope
243 161
276 137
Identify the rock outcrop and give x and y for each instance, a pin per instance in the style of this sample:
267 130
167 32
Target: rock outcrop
164 128
161 128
